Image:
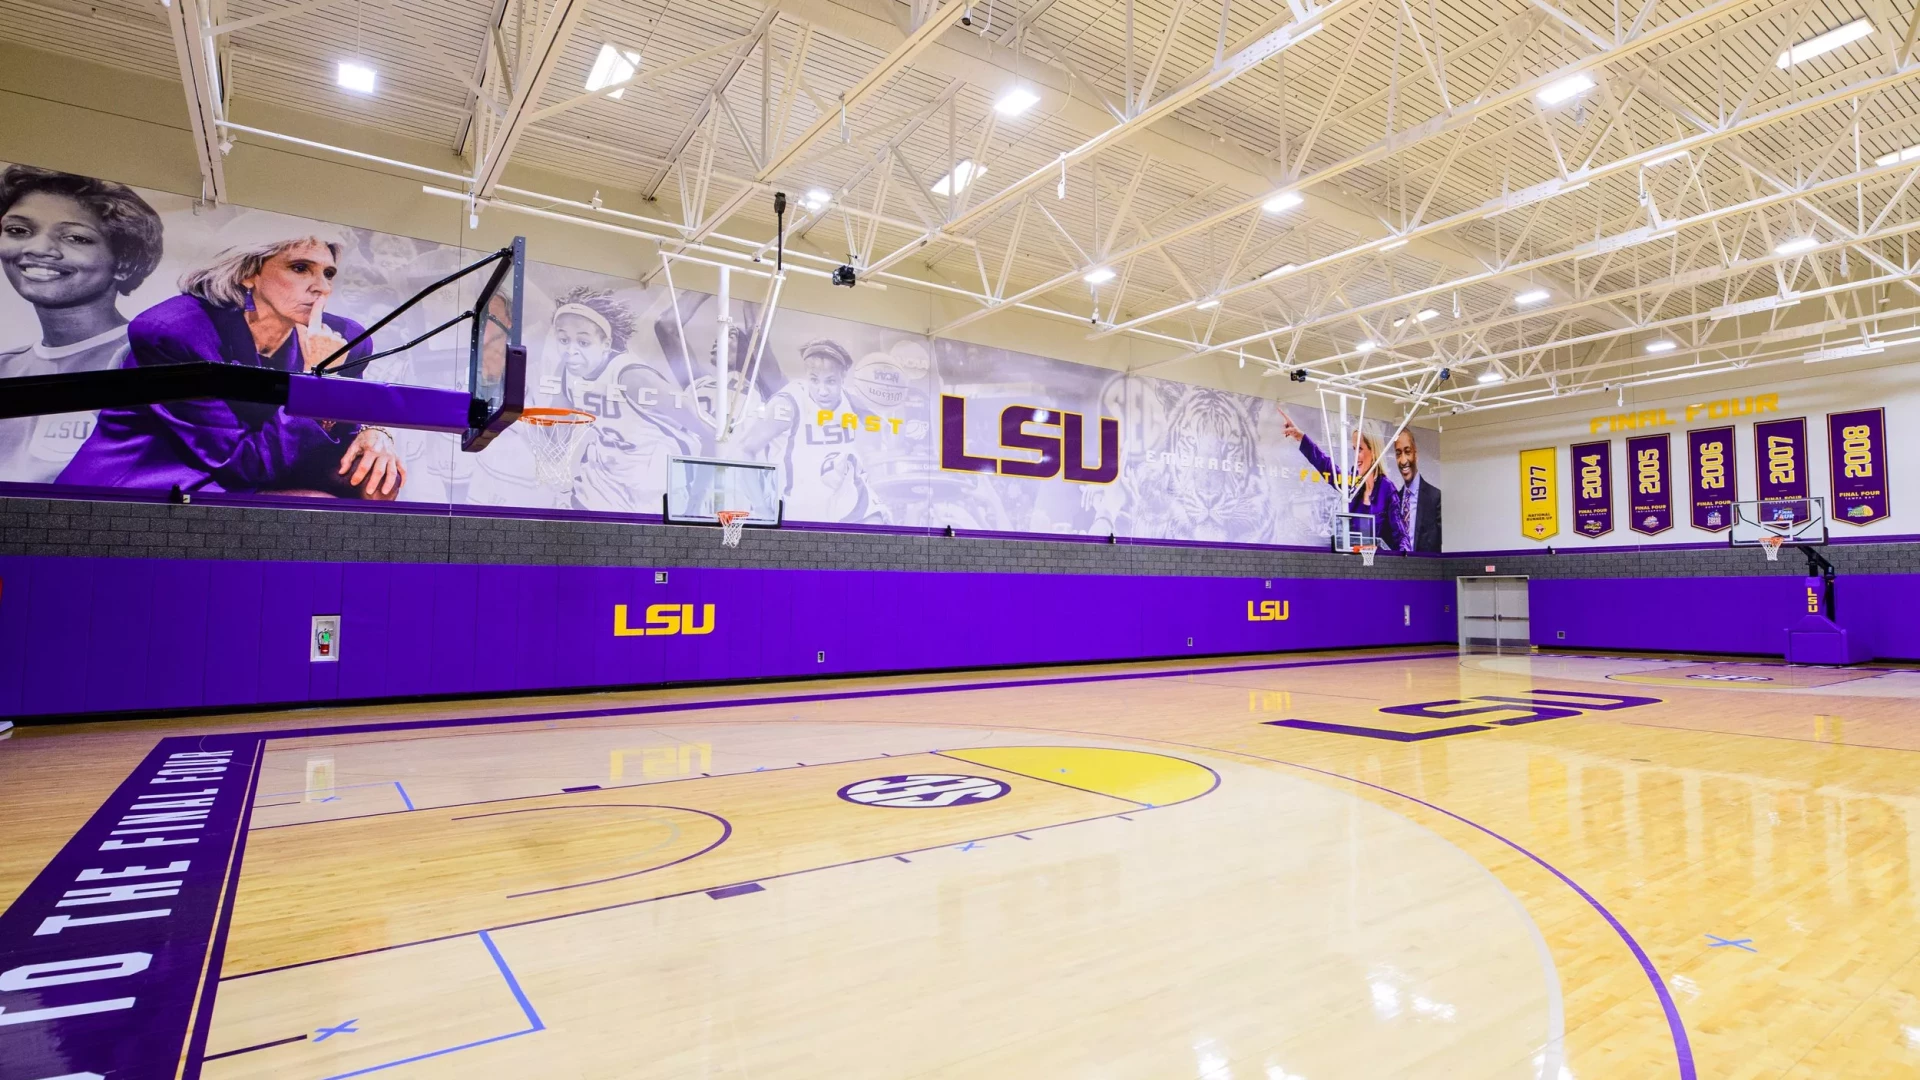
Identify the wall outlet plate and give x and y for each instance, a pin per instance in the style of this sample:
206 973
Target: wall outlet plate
659 577
820 657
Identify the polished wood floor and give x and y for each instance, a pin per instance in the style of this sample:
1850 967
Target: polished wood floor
1536 866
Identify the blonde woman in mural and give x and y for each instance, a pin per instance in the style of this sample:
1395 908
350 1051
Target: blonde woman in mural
1372 493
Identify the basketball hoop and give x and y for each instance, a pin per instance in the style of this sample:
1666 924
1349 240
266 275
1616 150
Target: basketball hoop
1365 551
555 435
732 524
1771 545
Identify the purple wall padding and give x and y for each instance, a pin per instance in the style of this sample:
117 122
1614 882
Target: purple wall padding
91 635
1719 614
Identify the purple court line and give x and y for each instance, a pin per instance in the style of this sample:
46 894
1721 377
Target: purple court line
732 891
843 695
726 830
202 1024
901 855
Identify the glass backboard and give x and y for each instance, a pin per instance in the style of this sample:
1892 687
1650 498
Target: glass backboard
1797 521
1351 532
699 488
497 362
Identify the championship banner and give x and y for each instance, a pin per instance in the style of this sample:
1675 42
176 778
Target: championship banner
1593 492
1857 465
1539 493
1650 506
1710 473
1780 464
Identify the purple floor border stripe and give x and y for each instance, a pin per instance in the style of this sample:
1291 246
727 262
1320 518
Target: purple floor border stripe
203 1019
842 695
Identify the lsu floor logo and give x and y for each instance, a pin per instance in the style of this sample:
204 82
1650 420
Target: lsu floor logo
923 789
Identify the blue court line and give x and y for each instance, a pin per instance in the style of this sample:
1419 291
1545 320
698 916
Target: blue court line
403 794
1745 943
520 996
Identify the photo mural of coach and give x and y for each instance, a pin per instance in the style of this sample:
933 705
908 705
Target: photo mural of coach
259 305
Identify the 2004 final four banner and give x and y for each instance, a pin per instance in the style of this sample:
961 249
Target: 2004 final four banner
1857 470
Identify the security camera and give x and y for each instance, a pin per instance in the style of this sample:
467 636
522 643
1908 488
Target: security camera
843 275
1297 375
1445 374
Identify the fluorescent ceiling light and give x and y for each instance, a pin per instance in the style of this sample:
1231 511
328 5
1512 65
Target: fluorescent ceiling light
1283 268
1532 296
1677 155
1400 243
613 65
1207 305
1421 316
1825 43
1570 87
1366 346
1661 346
1099 275
1286 200
1490 376
963 174
357 77
1016 101
1797 245
1898 156
816 200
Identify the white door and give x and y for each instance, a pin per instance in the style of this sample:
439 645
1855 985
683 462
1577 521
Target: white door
1493 614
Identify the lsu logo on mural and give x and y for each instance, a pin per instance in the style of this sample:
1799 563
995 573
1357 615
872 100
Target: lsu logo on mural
665 619
1061 452
1269 610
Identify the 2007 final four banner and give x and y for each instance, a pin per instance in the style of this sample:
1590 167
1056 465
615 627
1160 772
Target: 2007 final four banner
1857 471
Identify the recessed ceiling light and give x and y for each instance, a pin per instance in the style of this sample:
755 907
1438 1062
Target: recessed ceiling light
613 65
1207 305
357 77
1490 376
1286 200
817 200
1099 275
1366 346
1400 243
1796 245
1663 345
1532 296
1016 101
1820 44
1898 156
1570 87
963 174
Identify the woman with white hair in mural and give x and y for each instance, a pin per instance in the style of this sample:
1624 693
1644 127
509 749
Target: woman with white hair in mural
260 305
1371 492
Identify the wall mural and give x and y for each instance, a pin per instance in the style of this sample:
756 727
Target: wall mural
868 425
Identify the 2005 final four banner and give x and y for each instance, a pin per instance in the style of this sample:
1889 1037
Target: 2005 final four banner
1858 489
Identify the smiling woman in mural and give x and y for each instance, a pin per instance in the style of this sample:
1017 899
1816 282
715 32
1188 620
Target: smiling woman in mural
1372 493
261 306
71 246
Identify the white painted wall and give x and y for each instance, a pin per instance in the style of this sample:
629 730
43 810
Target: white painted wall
1483 460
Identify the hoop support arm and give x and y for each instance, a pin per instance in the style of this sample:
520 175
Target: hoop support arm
354 401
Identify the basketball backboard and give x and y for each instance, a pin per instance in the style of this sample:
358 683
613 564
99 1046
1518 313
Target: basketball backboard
496 360
1798 522
698 489
1352 532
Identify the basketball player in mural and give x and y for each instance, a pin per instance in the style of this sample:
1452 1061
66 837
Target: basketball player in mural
816 433
259 305
623 465
1372 494
71 246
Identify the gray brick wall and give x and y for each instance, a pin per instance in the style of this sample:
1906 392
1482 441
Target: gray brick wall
158 530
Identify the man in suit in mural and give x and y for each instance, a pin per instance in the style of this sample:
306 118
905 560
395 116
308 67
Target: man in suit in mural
1418 502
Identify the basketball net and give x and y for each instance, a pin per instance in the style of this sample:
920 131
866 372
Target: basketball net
1365 551
733 523
555 435
1771 545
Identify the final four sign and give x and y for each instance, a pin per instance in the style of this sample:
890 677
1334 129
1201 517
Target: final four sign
1540 493
1710 468
1593 488
1857 466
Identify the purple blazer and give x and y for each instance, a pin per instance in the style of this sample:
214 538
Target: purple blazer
1384 506
214 445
